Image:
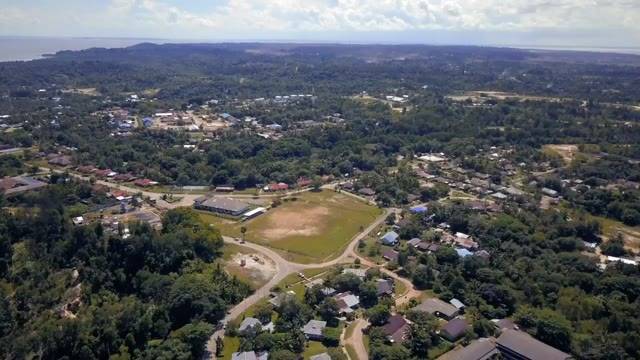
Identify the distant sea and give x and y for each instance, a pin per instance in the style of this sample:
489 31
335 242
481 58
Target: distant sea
32 48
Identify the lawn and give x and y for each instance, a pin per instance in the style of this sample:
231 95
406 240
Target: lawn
307 228
313 348
231 345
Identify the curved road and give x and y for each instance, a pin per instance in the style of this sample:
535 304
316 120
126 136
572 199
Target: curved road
285 268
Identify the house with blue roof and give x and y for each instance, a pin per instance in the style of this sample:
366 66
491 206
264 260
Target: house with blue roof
390 238
420 209
463 252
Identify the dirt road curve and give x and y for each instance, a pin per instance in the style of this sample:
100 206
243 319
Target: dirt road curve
285 267
357 340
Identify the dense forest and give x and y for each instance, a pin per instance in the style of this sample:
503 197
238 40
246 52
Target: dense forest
85 293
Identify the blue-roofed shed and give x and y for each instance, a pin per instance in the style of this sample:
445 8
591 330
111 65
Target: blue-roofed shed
419 209
463 252
390 238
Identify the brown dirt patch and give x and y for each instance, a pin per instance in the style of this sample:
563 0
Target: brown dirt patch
296 222
566 151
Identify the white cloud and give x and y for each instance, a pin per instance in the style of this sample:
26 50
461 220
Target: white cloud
262 18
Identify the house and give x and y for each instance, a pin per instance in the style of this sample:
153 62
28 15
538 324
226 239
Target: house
361 273
454 329
457 303
323 356
421 209
367 192
144 183
480 349
518 345
463 253
483 254
390 255
226 206
59 160
414 242
438 308
347 302
549 192
465 241
313 330
504 324
124 177
88 169
10 186
390 238
304 182
279 298
384 287
396 329
249 324
250 355
78 220
276 187
326 291
103 173
428 247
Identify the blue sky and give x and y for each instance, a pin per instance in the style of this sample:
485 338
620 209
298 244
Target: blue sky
586 23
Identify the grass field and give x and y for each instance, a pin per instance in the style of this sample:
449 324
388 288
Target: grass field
314 227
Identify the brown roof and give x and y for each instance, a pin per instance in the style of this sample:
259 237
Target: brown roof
396 328
433 306
7 183
526 346
481 349
455 328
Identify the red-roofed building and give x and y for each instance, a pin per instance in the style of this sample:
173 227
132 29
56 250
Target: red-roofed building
88 169
277 187
144 182
304 182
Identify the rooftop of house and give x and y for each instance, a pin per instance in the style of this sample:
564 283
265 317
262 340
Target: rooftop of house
433 305
396 328
314 327
481 349
249 323
384 287
249 355
526 346
455 328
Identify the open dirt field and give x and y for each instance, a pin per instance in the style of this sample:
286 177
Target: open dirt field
249 266
312 228
308 221
567 151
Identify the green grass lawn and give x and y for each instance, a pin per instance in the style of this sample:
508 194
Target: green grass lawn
315 227
231 345
313 348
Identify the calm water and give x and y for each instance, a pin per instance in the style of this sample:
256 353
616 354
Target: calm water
28 48
31 48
